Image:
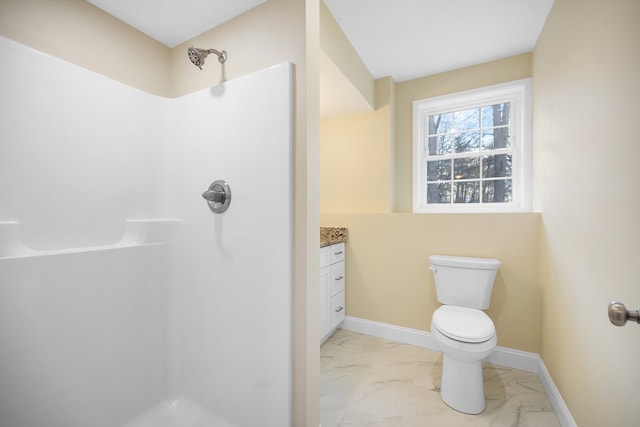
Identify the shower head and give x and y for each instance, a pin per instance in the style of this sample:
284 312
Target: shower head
197 55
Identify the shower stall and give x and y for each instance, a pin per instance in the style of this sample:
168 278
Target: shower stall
125 300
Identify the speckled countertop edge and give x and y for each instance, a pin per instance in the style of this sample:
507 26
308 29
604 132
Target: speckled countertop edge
332 235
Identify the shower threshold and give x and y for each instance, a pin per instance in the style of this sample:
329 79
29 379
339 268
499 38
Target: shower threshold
178 413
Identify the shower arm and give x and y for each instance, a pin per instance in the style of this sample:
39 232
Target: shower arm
222 56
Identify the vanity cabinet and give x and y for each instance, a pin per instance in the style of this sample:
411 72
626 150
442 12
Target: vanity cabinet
332 283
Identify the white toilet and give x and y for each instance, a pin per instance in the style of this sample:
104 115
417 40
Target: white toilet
464 332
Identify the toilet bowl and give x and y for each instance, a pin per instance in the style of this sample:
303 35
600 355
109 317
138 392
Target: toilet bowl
466 337
465 334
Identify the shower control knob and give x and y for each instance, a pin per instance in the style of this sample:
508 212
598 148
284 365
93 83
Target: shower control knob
218 196
215 196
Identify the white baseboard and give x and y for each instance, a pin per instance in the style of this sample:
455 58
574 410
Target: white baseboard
517 359
523 360
561 409
391 332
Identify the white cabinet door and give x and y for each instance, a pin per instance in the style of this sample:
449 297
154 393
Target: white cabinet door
332 283
337 278
337 309
325 301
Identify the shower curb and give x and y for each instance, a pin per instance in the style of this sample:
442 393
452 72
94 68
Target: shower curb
517 359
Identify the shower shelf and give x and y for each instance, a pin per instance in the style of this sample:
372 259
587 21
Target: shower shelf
137 232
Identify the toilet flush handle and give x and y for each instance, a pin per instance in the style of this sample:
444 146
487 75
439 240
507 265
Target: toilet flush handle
434 269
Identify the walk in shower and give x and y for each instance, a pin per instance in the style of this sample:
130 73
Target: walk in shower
125 300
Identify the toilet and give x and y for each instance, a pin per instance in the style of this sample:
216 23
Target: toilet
465 334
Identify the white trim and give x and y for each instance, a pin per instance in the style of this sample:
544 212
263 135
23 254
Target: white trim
391 332
560 408
516 359
523 360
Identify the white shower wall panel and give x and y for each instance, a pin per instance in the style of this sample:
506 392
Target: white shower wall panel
82 336
103 318
234 269
79 152
83 307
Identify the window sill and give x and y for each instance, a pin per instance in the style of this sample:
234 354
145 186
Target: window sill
466 209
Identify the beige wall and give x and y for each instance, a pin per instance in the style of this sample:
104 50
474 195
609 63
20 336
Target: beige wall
338 48
80 33
586 67
560 267
271 33
274 32
365 159
388 279
356 158
504 70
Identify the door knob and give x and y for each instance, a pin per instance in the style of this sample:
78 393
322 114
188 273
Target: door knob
618 314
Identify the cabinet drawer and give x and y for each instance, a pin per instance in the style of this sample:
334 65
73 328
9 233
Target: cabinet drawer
337 277
337 309
325 256
337 252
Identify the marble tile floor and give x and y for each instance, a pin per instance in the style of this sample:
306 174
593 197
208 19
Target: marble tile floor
367 381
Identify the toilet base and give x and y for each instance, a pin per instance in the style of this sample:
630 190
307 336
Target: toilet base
462 386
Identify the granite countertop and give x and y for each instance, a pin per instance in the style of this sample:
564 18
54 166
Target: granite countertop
332 235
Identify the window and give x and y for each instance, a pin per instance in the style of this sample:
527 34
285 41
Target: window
471 150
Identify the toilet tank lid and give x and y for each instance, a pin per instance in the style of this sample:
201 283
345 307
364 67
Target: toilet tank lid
464 262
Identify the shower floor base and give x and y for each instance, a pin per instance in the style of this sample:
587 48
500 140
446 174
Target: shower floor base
178 413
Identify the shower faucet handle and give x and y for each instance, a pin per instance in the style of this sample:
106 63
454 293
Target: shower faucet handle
218 196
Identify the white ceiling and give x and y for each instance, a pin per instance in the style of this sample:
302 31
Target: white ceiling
404 39
172 22
407 39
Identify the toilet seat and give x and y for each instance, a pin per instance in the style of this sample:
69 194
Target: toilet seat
463 324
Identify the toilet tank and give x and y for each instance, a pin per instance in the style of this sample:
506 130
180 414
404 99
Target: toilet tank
464 281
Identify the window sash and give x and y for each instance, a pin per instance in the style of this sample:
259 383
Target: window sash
517 94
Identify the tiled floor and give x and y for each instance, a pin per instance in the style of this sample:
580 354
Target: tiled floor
367 381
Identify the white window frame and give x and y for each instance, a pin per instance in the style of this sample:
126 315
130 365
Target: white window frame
518 93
